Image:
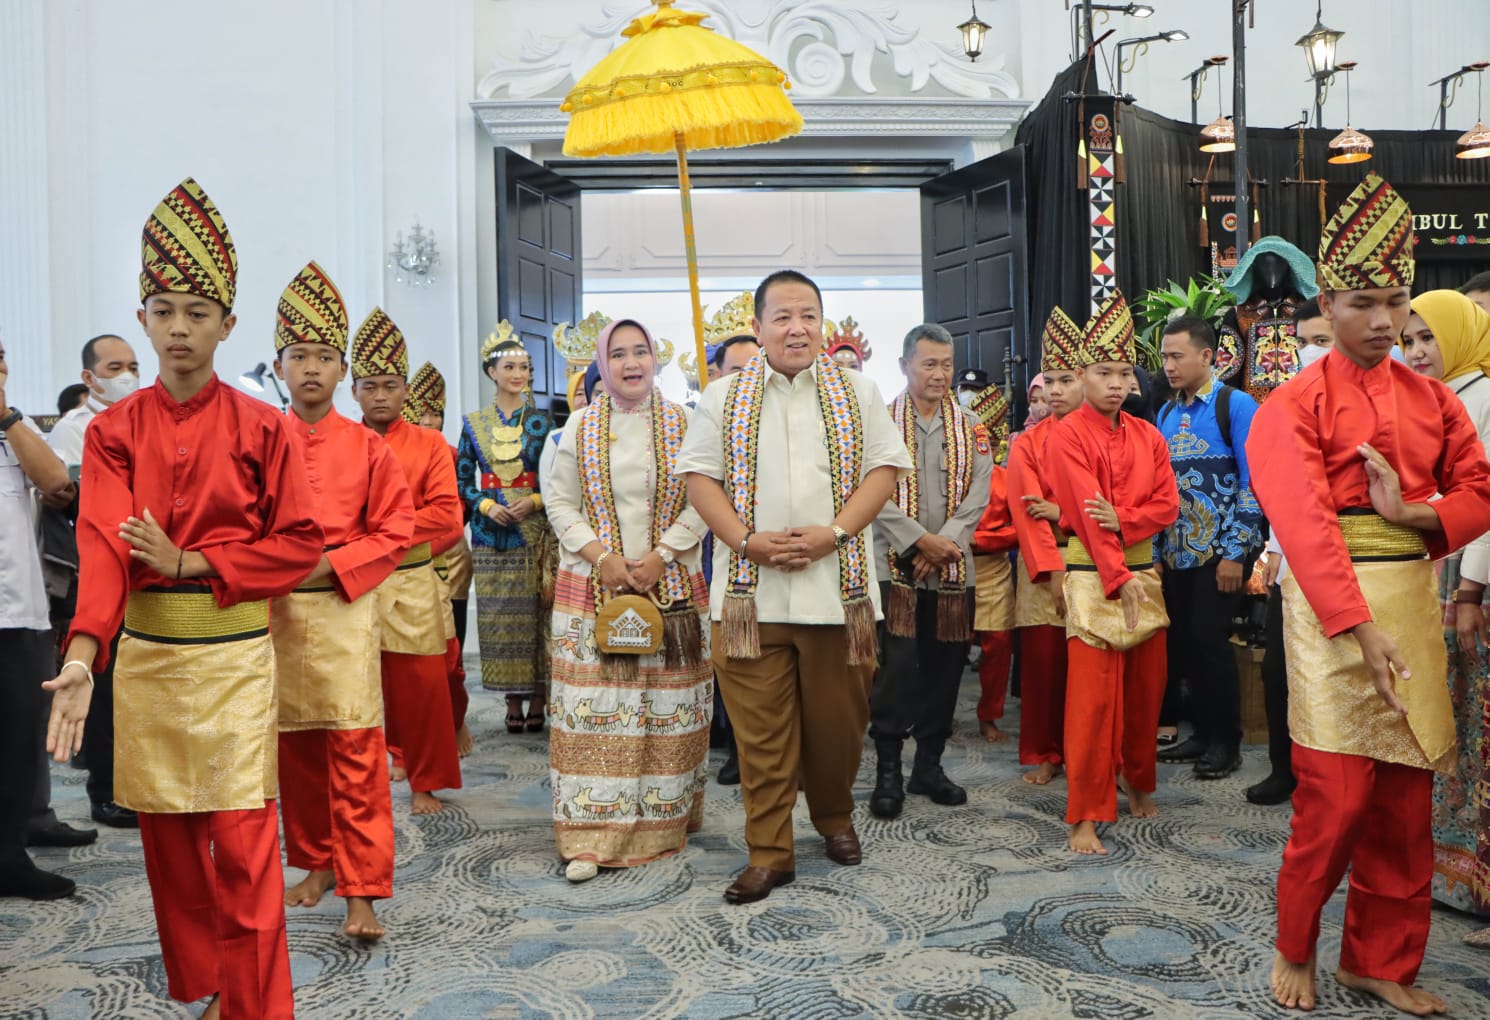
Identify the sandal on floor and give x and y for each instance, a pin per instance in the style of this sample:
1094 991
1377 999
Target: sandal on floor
535 722
515 720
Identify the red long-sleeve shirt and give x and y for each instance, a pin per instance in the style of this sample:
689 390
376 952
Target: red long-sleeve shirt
425 458
995 531
1037 545
1128 463
1306 468
361 499
217 473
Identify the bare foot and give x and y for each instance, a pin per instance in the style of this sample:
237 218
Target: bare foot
1140 805
992 733
397 773
308 891
1083 839
427 804
1407 998
1041 774
213 1010
362 923
1293 983
464 741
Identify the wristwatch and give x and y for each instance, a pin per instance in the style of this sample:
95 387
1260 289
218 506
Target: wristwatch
841 538
665 555
12 418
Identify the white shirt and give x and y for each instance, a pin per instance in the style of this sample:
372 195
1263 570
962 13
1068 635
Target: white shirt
794 486
633 483
23 595
67 434
1473 388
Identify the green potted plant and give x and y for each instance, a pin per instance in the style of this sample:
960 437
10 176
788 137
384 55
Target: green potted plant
1203 296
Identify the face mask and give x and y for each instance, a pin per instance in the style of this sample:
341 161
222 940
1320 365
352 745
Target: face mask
1309 355
117 387
966 397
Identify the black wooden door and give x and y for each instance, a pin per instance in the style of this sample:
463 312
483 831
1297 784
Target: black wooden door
975 265
538 262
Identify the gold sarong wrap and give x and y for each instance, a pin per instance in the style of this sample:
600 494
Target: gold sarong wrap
1097 619
412 610
993 586
194 706
447 611
326 654
1332 703
1034 606
454 566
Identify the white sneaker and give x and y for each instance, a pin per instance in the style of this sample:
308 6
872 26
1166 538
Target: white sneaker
581 871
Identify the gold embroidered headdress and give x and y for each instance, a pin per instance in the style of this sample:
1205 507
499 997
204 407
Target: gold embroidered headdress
1060 343
426 393
311 312
1109 333
1368 244
577 343
186 248
379 348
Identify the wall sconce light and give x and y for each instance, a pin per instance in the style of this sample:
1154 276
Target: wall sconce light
414 261
1350 145
973 32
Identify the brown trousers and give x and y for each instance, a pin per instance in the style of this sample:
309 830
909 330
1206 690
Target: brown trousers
799 704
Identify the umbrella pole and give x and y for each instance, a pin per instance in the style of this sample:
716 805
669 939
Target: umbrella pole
692 250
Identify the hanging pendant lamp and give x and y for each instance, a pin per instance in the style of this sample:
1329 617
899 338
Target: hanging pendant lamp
1350 145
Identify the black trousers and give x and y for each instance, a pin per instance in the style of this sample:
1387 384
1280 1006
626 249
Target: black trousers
915 689
25 661
1275 687
98 732
1200 650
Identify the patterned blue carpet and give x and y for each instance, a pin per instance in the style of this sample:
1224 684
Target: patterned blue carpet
975 911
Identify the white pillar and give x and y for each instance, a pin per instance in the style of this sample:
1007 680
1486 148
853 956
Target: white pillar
25 244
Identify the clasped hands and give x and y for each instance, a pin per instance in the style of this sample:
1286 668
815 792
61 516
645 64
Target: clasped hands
791 549
620 575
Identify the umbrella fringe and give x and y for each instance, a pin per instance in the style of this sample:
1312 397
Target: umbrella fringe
715 118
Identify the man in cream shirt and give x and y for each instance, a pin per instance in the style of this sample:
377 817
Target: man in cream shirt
788 462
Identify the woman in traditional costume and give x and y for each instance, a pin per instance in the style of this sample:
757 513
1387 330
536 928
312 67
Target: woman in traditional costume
630 736
497 469
1448 338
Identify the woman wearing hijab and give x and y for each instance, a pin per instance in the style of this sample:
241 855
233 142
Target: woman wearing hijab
1448 338
630 733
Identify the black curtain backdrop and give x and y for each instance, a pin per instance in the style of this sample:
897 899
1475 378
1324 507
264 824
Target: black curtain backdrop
1159 211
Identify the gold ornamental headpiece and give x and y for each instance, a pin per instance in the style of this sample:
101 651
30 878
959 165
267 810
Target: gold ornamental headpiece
378 348
502 342
577 343
732 319
311 311
1368 244
186 248
426 393
1060 343
847 334
1109 333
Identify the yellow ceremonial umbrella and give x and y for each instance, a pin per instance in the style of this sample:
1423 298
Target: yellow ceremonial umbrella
676 85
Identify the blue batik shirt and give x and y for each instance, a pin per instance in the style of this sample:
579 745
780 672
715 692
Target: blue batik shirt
1219 515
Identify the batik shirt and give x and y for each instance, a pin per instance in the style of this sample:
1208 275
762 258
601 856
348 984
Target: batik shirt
1219 516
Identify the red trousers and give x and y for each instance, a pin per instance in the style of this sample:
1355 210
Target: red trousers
338 810
1377 819
993 672
219 899
417 718
455 672
1042 695
1112 714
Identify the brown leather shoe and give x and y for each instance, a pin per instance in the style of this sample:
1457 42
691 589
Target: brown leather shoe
756 884
844 848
